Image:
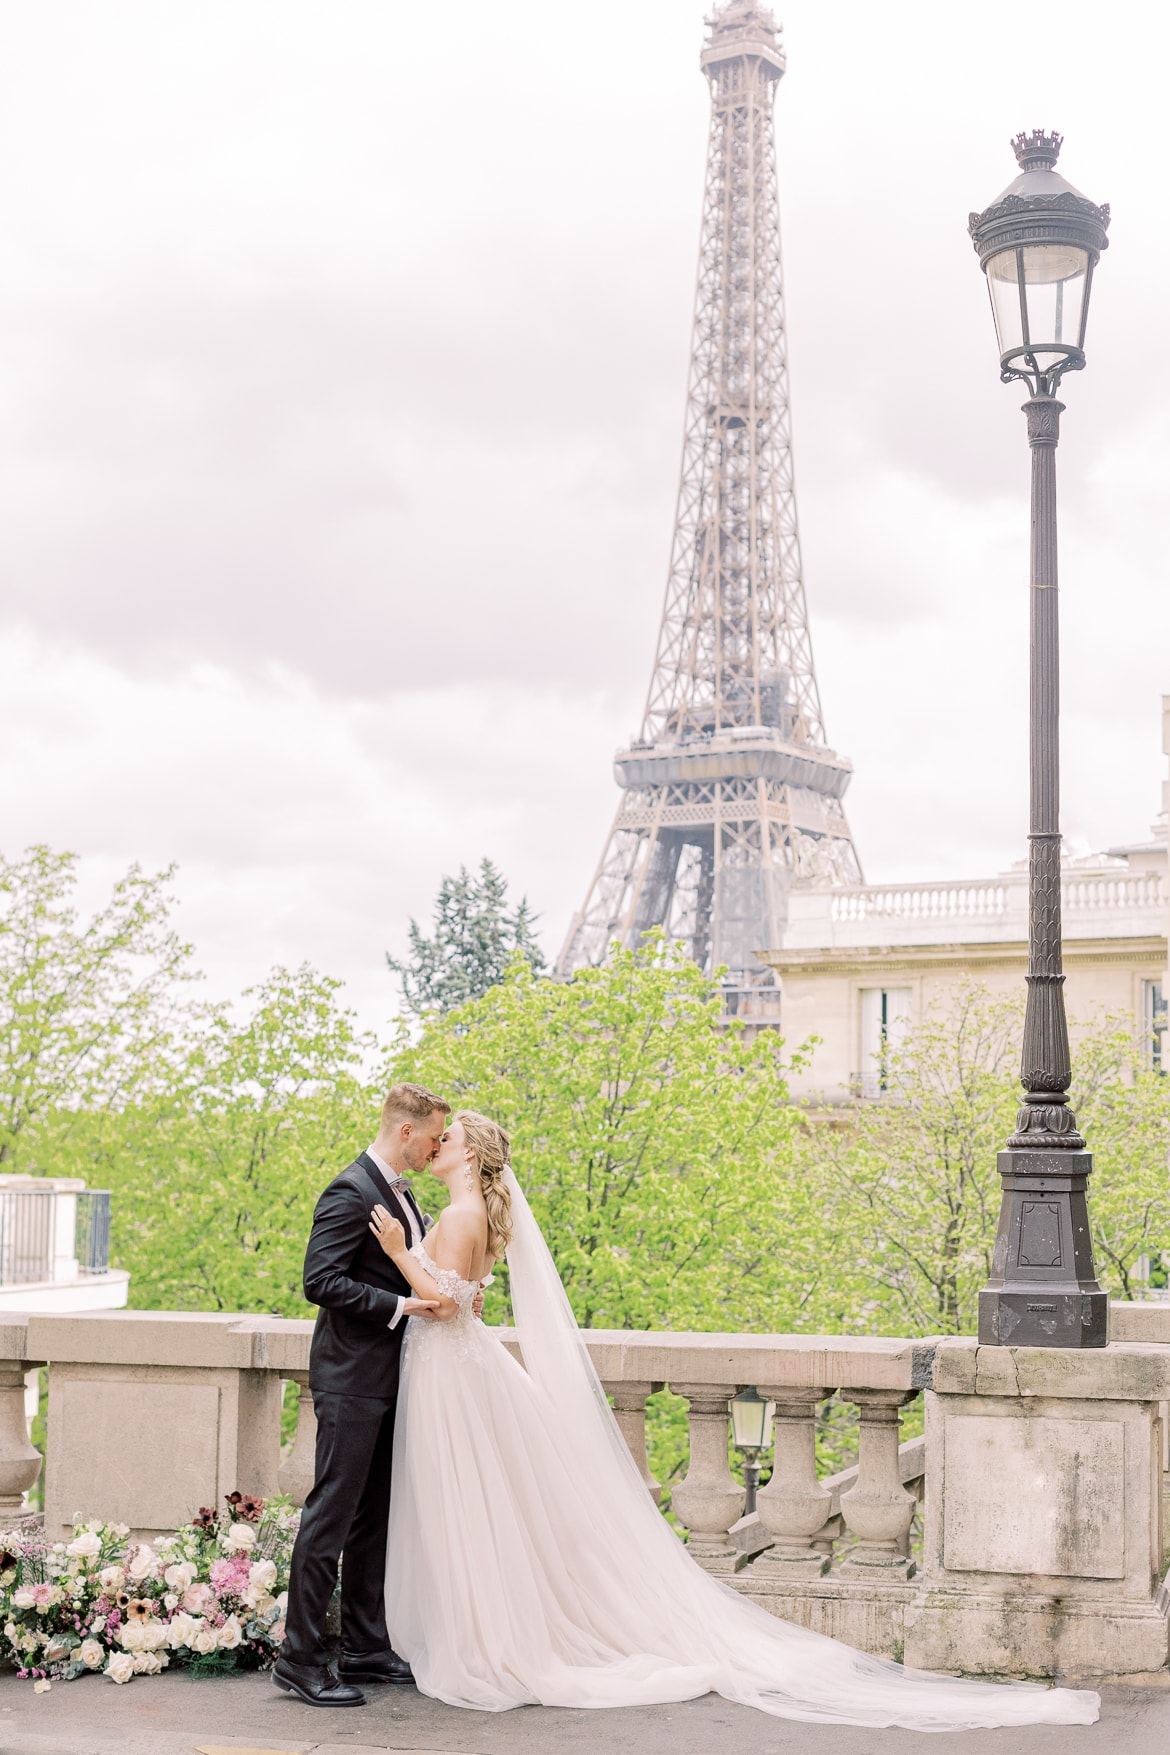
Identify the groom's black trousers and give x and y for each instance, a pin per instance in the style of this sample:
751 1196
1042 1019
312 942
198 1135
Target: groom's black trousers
348 1509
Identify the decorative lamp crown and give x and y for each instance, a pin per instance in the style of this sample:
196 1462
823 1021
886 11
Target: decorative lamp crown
1037 151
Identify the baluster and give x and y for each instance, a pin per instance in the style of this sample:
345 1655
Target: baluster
20 1461
296 1471
878 1509
707 1500
794 1507
629 1407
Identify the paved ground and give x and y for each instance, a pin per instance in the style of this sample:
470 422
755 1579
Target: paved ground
173 1715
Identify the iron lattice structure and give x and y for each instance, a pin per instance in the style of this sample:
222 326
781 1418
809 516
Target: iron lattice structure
729 792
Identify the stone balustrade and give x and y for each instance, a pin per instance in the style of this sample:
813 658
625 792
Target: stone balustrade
994 898
1041 1471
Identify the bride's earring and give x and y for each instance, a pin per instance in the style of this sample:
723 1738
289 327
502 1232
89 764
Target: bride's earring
467 1174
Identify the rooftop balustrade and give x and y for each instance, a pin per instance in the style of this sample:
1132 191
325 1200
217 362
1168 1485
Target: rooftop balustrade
1040 1475
1101 899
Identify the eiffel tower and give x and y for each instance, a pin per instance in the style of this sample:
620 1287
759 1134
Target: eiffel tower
729 793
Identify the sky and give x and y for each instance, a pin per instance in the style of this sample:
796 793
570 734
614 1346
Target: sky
343 347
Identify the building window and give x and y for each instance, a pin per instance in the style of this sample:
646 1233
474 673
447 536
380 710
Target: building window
1155 1021
885 1018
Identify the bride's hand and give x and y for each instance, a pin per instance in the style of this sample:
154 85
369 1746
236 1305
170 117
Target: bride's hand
388 1231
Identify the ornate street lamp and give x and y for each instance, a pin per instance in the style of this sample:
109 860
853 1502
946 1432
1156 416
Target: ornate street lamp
1038 246
751 1433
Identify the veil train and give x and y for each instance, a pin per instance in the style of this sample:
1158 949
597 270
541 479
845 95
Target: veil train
690 1618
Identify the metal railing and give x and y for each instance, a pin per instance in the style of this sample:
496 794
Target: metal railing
27 1227
93 1231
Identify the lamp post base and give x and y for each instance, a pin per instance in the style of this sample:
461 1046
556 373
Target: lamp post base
1043 1290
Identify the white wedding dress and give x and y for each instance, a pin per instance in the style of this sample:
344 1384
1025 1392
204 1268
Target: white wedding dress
527 1564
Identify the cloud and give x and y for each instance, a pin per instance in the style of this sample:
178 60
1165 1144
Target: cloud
304 826
342 415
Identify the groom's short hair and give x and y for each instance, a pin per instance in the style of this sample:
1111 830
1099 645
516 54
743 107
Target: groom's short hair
411 1103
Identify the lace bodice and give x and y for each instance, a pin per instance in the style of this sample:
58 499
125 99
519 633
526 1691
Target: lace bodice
448 1282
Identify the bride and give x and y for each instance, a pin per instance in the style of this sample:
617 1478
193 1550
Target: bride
526 1561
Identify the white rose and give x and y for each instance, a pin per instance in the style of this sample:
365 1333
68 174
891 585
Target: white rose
181 1628
23 1598
91 1654
263 1573
130 1636
84 1547
142 1562
261 1603
240 1537
230 1634
204 1641
155 1635
146 1663
282 1601
42 1686
97 1623
120 1667
180 1578
111 1579
10 1629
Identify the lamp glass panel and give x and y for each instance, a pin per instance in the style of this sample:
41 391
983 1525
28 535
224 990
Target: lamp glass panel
751 1421
1055 278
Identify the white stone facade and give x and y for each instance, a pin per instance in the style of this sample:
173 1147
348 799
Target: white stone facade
860 963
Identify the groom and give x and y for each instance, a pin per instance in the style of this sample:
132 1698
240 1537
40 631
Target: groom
353 1374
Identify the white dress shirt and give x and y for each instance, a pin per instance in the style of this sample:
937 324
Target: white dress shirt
406 1215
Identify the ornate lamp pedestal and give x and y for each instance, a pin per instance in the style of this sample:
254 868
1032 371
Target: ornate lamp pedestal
1038 245
1043 1290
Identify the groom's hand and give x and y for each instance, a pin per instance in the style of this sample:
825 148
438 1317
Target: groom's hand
419 1306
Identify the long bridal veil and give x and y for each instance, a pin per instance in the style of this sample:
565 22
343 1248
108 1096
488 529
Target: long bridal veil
691 1621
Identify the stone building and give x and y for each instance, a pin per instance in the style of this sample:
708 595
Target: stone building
859 963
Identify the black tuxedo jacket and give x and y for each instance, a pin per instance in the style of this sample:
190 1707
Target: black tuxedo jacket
357 1287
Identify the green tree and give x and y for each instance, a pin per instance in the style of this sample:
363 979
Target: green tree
215 1183
475 938
653 1139
1123 1107
916 1170
89 1010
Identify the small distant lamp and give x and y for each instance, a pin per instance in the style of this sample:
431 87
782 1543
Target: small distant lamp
751 1434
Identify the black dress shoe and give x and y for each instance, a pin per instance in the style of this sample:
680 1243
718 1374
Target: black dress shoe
374 1666
315 1684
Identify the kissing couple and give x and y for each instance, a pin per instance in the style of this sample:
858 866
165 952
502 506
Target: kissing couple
497 1544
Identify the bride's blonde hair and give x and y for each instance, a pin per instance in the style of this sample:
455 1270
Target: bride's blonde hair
493 1155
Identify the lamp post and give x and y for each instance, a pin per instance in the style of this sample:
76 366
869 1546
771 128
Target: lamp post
751 1433
1038 245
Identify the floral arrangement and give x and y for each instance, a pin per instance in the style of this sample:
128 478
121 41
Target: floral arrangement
211 1597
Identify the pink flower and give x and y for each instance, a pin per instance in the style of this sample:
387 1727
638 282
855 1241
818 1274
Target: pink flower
198 1599
230 1577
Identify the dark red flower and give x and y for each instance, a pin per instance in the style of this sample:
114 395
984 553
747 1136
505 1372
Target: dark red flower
245 1507
208 1518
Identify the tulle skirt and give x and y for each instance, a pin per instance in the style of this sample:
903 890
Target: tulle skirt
522 1569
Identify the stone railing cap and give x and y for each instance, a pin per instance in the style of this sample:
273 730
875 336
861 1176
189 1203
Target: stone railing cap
1122 1371
170 1337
